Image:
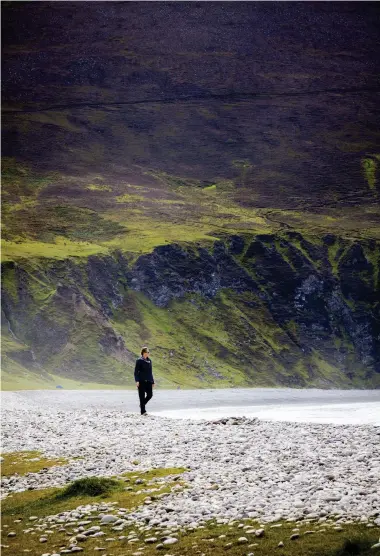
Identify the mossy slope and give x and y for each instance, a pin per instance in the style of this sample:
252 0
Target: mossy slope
260 310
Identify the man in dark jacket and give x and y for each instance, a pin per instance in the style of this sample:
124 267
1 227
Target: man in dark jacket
144 378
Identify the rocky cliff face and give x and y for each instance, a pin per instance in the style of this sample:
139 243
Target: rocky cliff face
263 310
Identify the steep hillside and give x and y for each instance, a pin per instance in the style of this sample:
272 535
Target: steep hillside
201 177
280 97
265 310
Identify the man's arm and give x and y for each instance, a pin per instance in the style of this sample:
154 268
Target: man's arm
137 370
151 367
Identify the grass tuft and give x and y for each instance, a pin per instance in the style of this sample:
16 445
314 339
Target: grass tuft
353 547
90 486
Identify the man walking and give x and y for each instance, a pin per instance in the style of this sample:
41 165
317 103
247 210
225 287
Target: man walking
144 378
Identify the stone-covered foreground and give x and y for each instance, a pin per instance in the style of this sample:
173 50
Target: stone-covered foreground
240 468
243 474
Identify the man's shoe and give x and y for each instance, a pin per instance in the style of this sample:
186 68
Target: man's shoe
145 413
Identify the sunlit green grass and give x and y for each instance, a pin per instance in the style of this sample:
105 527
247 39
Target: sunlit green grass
201 335
315 539
136 219
124 491
19 378
85 491
60 249
26 462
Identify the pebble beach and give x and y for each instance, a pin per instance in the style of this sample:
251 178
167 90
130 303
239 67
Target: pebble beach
237 467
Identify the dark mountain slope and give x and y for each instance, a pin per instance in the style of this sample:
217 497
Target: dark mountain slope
280 96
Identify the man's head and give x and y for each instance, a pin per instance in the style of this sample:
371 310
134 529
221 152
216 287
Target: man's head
145 352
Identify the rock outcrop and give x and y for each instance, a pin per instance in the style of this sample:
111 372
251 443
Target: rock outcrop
287 310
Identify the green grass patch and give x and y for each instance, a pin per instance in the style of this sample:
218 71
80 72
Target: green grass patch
369 166
335 253
61 119
326 542
47 223
211 539
95 187
315 539
123 490
14 377
32 227
61 249
26 462
20 183
8 282
90 486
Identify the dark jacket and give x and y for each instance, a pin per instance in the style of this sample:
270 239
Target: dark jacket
143 370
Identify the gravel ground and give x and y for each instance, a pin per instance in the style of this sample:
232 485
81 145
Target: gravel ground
239 467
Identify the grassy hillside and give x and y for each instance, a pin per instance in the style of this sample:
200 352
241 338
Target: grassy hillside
194 344
56 216
262 310
212 192
65 330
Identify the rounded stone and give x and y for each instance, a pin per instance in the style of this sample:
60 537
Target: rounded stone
170 540
108 519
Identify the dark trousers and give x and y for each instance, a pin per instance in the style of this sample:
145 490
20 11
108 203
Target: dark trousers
145 387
